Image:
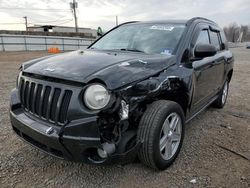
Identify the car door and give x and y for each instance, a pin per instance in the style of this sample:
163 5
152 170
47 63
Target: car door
204 71
219 60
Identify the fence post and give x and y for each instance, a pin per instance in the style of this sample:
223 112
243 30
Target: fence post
25 43
2 43
63 44
46 46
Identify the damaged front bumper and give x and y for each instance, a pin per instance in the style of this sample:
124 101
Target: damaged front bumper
64 142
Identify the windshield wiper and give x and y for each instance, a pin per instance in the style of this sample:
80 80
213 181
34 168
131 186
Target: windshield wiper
131 50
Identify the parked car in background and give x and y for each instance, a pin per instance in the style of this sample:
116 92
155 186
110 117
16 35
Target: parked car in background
130 93
248 46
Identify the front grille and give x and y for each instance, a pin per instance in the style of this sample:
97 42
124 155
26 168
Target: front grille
45 101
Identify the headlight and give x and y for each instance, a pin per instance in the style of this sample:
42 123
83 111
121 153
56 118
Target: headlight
96 97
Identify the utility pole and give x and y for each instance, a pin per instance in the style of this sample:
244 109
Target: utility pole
73 6
116 20
26 22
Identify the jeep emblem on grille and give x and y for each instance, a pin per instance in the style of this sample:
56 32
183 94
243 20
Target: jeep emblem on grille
49 130
49 69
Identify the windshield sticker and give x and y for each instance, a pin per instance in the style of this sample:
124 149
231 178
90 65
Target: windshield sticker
162 27
141 61
167 52
124 64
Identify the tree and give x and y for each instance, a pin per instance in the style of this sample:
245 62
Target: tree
233 32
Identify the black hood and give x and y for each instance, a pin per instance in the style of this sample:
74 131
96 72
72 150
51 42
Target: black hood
114 68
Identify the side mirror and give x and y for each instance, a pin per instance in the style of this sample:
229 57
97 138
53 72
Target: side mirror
204 50
99 31
99 34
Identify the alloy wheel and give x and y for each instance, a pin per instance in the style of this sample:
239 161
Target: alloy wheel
170 136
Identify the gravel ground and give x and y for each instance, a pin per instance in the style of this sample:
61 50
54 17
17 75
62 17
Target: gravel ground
203 157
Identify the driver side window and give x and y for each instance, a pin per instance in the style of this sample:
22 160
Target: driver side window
203 38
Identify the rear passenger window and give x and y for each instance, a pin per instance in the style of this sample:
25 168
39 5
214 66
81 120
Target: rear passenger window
223 39
203 37
215 39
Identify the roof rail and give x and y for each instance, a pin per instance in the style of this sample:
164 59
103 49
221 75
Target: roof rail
199 18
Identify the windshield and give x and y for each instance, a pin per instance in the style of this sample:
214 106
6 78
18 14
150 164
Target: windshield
146 38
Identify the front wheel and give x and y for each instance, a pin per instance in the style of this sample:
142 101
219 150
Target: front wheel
161 131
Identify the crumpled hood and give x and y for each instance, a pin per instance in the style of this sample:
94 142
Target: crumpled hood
114 68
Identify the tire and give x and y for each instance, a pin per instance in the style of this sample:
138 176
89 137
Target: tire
222 98
153 129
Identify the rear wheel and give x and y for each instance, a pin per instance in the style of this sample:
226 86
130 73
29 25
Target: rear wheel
161 131
222 99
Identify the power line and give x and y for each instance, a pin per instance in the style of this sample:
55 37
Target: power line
58 20
43 21
15 23
10 23
33 9
64 22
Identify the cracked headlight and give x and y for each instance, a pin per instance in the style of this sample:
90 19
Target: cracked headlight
96 97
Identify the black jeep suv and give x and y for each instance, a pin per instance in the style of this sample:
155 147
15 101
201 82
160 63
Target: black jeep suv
129 94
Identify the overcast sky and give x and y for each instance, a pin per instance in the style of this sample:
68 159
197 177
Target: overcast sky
94 13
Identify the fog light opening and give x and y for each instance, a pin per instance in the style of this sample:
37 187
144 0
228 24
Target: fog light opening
106 150
102 153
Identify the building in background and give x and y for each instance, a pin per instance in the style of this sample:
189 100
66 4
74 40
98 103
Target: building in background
62 29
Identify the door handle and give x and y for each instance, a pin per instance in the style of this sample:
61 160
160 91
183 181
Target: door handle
216 62
211 64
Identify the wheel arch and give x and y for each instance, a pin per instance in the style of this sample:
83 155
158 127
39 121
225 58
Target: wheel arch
180 96
176 91
171 88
